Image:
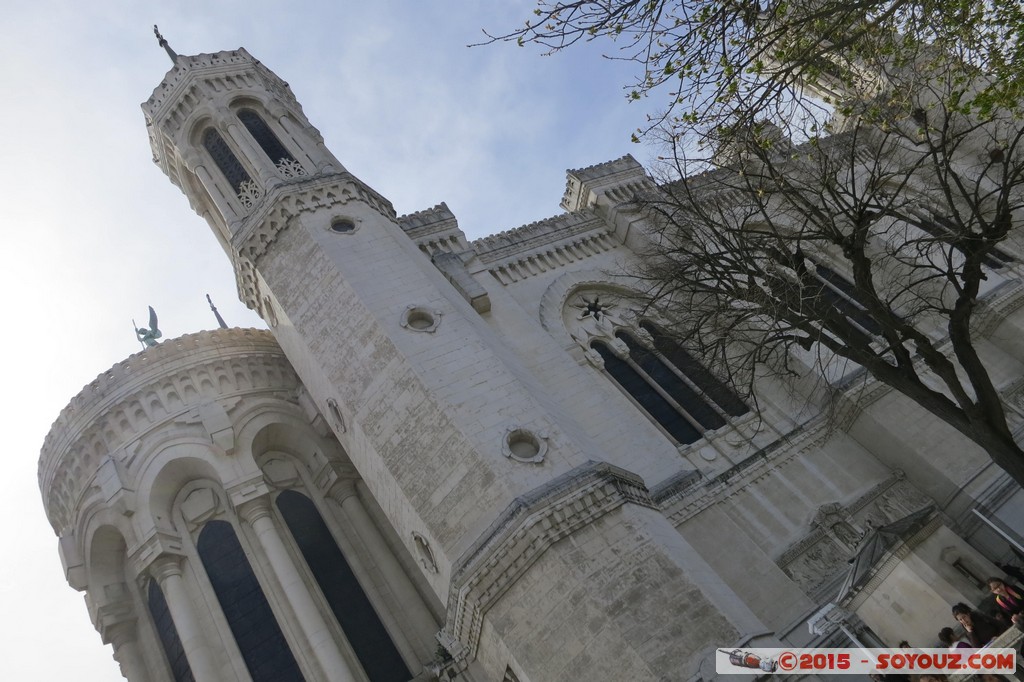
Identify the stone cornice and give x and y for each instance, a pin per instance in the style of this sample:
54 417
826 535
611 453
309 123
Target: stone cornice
302 195
522 533
553 257
997 306
177 84
276 211
168 381
675 487
753 469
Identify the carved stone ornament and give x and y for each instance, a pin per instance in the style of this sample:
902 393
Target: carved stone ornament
336 416
249 193
199 506
269 312
424 553
280 473
290 168
595 316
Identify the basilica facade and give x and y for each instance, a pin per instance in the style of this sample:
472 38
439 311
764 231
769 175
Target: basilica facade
476 460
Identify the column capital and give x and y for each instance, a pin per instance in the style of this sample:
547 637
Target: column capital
191 159
276 110
120 633
224 114
342 489
253 510
165 566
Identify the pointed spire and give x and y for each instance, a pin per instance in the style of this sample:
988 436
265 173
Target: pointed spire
163 43
220 320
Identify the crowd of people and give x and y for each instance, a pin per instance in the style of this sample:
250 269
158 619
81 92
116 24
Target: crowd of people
979 629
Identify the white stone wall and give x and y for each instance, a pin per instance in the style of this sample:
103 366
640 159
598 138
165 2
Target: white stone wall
610 552
217 432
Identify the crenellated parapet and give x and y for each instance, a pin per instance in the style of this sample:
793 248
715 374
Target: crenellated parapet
435 230
543 245
618 181
189 382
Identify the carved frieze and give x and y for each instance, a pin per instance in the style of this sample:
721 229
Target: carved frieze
837 531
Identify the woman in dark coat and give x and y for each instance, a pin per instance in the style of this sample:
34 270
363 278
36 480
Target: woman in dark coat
980 628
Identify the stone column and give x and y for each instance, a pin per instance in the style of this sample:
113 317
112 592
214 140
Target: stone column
257 514
304 140
167 571
207 181
122 636
422 623
257 157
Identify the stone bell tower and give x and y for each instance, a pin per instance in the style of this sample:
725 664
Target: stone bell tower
507 504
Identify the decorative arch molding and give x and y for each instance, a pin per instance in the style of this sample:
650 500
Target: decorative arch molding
667 383
556 297
95 518
169 472
110 597
322 456
258 419
197 502
106 557
191 136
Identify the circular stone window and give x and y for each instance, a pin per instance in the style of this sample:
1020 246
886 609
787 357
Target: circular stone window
421 319
523 445
343 225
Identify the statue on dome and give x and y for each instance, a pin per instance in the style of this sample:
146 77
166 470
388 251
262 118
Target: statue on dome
148 336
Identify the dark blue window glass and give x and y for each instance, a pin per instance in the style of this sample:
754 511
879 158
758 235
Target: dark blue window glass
670 382
168 634
635 385
225 159
711 385
363 629
264 136
844 302
257 634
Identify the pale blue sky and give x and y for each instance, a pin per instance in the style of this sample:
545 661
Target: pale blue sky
94 233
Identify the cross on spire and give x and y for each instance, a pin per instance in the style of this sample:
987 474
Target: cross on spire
163 43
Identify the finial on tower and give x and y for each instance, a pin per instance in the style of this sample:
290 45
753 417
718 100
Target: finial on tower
163 43
220 320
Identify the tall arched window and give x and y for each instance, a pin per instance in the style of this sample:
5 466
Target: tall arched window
653 401
225 159
837 291
264 136
168 634
669 384
362 627
708 383
252 622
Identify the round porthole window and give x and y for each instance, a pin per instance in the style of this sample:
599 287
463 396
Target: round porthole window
523 445
421 319
343 225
